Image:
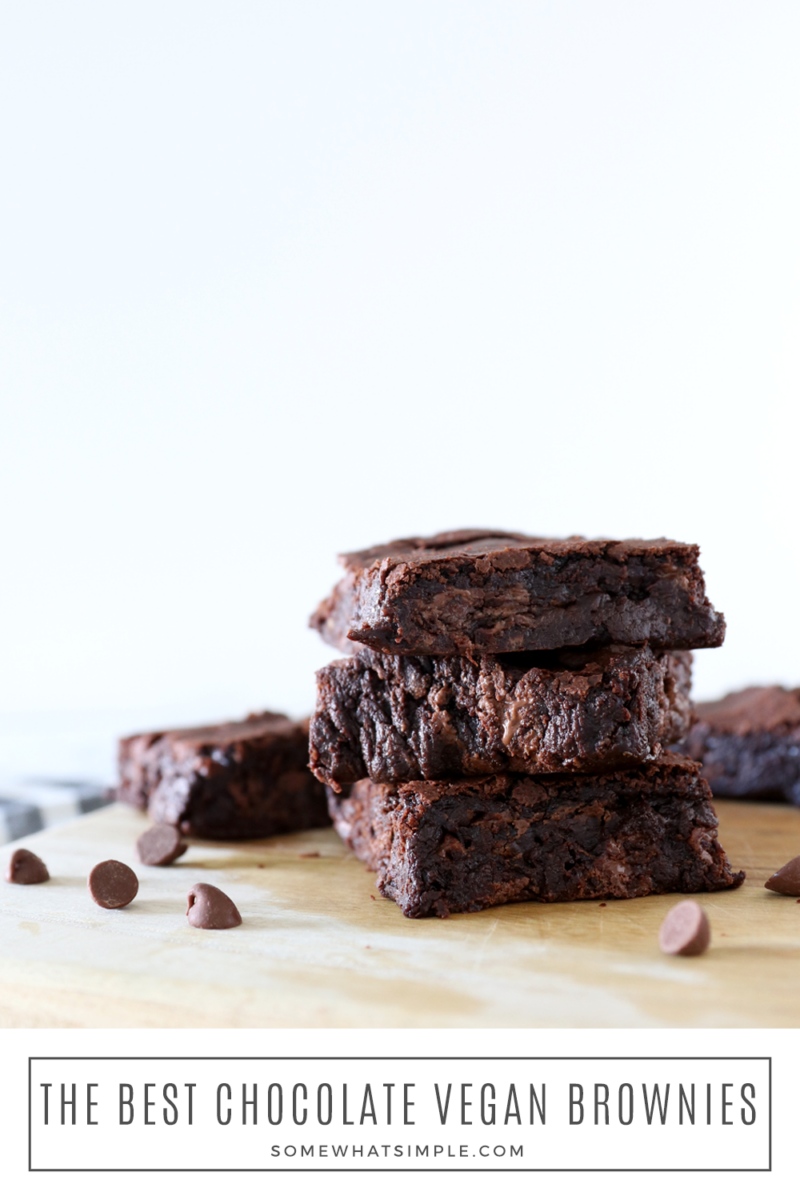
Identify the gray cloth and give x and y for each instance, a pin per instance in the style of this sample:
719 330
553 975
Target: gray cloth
27 807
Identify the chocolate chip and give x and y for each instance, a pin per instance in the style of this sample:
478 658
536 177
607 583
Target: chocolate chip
685 930
26 867
160 845
209 908
112 884
787 880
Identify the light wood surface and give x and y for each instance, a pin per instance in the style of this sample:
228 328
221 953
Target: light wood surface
316 949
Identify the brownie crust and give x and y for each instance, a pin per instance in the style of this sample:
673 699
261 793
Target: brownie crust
441 848
749 743
488 592
397 718
240 779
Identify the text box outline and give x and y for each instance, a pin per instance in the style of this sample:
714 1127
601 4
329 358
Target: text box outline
398 1058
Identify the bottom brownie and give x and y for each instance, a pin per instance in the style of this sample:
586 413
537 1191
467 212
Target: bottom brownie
240 779
467 844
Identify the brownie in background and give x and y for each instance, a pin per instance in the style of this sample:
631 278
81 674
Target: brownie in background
239 779
749 743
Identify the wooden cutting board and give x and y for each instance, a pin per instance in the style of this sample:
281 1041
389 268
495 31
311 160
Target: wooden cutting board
320 947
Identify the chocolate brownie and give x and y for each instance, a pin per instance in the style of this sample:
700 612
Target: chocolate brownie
404 717
241 779
485 592
749 743
472 843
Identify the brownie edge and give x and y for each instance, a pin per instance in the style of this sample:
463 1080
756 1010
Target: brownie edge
239 779
441 848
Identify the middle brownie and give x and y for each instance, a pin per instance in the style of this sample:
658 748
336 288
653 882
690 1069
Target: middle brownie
397 718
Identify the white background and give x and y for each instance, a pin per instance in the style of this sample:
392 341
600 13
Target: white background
282 278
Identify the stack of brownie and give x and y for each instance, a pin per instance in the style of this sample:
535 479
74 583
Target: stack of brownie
499 729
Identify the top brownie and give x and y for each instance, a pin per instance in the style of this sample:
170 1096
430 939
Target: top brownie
486 592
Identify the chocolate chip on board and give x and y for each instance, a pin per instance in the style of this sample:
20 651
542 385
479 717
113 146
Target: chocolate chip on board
26 867
685 930
787 880
112 884
160 845
209 908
